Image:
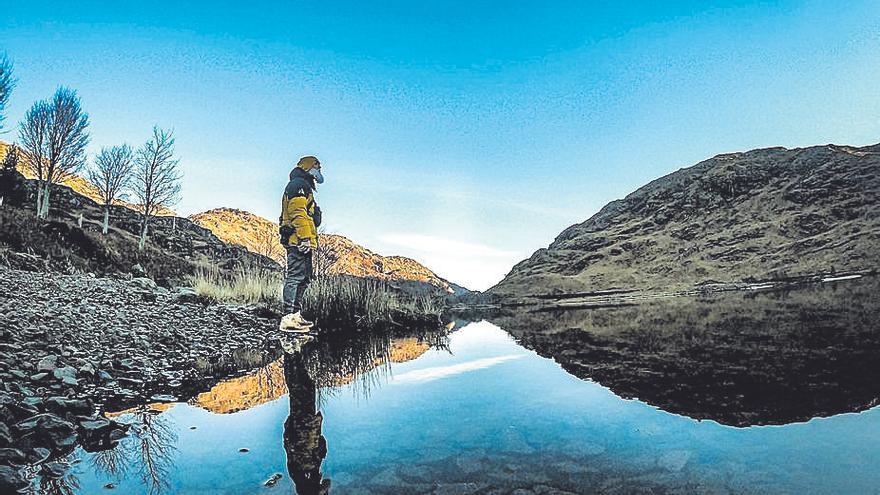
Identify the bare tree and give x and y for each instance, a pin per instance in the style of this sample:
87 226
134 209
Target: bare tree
156 178
266 243
7 83
53 137
111 175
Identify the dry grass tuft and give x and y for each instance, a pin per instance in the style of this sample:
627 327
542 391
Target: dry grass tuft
242 285
337 300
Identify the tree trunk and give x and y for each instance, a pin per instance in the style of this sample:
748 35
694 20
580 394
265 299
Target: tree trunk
44 209
143 240
39 205
106 219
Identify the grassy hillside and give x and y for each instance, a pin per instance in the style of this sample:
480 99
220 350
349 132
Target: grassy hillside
741 217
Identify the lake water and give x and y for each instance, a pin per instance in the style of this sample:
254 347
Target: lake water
698 395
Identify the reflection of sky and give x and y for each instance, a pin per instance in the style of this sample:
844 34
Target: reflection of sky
520 401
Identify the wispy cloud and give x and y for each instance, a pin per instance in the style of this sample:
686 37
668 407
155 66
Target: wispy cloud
433 244
438 372
476 266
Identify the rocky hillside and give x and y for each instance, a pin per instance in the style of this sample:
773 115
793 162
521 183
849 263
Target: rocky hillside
176 247
740 217
336 254
82 186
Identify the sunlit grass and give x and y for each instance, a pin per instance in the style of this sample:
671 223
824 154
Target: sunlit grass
334 299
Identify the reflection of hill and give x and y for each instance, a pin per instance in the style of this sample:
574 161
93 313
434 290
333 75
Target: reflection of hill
237 394
739 359
267 383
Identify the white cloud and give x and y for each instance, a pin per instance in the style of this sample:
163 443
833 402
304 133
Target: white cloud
432 244
476 266
438 372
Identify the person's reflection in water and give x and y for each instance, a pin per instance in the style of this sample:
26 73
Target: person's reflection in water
303 441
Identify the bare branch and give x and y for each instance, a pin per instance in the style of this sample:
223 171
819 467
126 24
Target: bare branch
53 137
156 178
7 83
112 172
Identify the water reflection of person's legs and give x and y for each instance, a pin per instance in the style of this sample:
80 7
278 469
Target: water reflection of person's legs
303 441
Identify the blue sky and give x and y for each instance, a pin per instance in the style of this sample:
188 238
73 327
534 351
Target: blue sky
463 134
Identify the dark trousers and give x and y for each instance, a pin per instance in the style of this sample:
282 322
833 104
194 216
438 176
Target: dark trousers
297 278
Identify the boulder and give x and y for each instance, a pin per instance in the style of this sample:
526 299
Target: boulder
144 283
185 295
47 364
64 405
47 430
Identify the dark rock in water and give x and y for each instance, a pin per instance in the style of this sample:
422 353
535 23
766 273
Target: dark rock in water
47 430
100 433
10 455
54 469
273 479
109 486
38 455
244 450
11 479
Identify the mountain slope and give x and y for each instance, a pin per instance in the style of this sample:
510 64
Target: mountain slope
336 254
763 214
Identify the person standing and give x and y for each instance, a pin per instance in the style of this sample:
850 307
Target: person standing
300 218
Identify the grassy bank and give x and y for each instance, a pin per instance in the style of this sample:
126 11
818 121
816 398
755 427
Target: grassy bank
334 300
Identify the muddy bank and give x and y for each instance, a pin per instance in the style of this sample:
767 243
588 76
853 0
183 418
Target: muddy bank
74 346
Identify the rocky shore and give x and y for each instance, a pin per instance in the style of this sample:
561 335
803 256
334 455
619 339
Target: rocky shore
74 346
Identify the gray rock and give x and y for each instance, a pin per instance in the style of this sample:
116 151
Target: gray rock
48 364
184 295
138 271
144 283
62 405
48 430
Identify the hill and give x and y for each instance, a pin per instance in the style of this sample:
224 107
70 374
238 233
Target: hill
741 217
336 254
80 185
70 240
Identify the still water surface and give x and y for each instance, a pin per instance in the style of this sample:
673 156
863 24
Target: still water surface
478 410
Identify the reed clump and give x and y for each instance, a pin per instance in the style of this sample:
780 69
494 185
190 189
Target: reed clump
337 300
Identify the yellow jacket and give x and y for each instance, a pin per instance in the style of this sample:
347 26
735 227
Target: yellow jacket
298 210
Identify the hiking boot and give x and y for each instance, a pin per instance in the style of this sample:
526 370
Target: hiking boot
294 323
